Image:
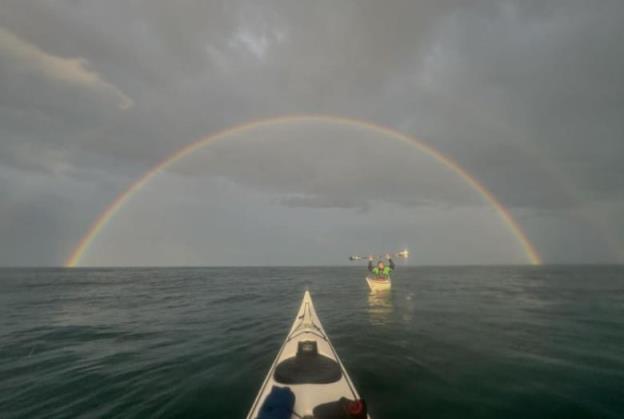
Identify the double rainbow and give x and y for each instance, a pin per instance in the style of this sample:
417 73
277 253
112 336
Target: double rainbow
105 217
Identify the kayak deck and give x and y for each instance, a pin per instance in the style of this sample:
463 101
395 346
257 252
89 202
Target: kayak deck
306 368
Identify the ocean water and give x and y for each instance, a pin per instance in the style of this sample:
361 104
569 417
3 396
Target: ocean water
469 342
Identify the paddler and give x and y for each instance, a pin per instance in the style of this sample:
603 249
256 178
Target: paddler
381 271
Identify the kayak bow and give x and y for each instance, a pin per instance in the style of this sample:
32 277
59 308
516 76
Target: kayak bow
307 378
376 284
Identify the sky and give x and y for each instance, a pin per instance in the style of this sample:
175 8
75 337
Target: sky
526 96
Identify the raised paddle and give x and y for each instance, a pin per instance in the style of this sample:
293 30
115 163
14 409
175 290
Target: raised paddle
402 254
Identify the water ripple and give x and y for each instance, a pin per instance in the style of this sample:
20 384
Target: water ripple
445 342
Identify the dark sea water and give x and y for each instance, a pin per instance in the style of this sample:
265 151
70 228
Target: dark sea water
504 342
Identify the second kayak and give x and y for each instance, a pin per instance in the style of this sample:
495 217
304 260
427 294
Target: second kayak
307 379
376 284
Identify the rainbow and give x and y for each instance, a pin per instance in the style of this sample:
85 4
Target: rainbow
105 217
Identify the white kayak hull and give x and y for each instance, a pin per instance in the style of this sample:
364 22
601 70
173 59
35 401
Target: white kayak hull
379 284
308 392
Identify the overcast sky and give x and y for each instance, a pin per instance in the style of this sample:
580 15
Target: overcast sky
525 95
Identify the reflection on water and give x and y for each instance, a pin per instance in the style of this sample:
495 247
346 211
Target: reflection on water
380 306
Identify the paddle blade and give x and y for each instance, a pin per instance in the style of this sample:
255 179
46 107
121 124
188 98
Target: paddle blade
403 254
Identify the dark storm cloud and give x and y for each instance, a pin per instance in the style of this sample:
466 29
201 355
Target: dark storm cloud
551 75
194 67
524 94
